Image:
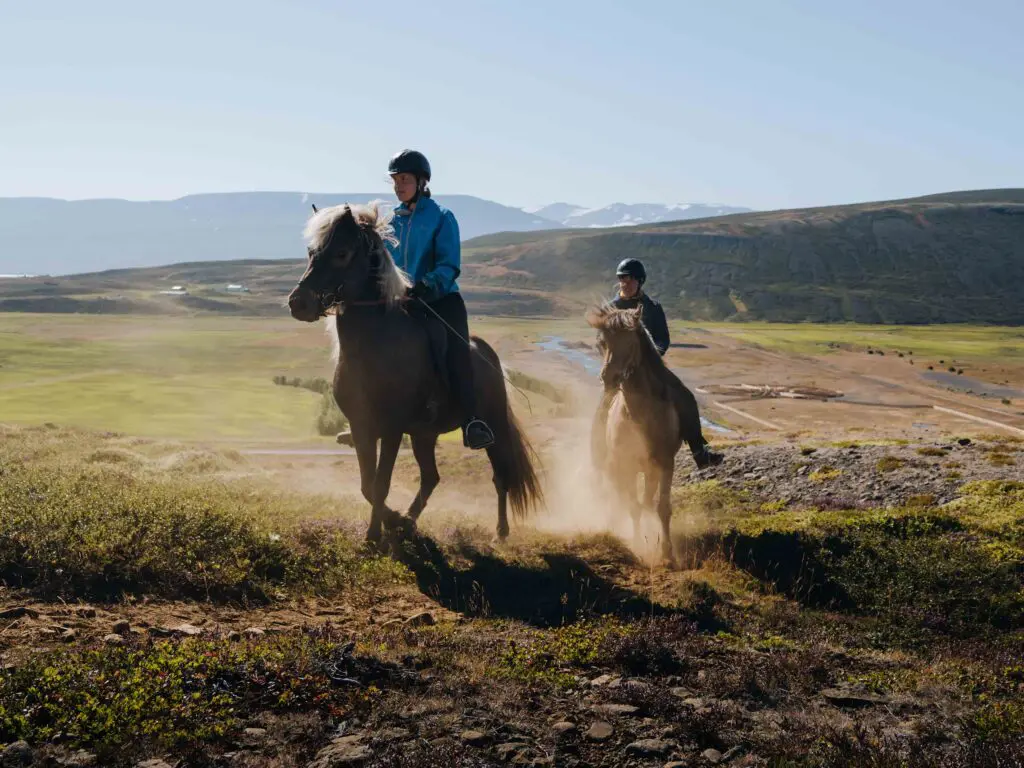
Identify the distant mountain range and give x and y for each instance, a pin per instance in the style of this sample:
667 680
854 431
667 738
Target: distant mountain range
627 215
956 257
58 237
48 236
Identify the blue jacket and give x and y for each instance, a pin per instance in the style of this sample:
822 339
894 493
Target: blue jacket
428 246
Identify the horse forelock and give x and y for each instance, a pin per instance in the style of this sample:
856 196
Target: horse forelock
378 231
627 324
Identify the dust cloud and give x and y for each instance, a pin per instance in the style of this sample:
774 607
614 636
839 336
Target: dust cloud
581 501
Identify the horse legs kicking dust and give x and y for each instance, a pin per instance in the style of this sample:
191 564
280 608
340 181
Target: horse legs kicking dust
650 415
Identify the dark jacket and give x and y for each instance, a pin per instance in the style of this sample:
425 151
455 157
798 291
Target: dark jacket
653 317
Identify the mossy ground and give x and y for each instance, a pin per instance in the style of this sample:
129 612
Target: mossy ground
921 606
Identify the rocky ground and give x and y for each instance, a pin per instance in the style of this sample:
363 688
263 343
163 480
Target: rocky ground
852 475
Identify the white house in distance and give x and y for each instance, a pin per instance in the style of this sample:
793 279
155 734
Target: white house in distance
235 288
176 290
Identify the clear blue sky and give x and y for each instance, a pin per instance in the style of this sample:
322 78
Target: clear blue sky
765 103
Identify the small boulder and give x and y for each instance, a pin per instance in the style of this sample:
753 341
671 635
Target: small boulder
255 632
600 731
563 727
713 756
474 738
112 639
121 627
188 630
421 619
79 759
649 748
341 752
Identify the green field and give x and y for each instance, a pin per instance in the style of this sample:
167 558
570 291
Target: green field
961 342
204 377
211 377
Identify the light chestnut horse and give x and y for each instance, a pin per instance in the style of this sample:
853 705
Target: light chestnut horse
649 416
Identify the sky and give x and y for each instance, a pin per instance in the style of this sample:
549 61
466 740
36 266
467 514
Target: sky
763 103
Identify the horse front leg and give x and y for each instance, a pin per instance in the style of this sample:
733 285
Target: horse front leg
624 481
665 509
366 453
423 449
389 445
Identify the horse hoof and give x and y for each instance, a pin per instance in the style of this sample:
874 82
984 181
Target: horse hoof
404 526
390 518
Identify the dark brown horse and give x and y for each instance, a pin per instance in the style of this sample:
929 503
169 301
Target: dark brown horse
386 382
649 416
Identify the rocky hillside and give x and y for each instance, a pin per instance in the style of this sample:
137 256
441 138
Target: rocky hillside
944 258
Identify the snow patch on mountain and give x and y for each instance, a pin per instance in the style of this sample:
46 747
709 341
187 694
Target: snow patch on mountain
630 214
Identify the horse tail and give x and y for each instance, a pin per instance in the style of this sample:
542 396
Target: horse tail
515 460
512 456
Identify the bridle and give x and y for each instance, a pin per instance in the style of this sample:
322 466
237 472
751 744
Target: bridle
329 300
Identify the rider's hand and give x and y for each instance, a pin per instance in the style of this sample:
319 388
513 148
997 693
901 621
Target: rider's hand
418 291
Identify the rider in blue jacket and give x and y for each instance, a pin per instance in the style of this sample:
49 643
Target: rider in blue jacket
429 250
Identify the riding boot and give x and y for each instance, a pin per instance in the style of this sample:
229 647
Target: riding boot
690 427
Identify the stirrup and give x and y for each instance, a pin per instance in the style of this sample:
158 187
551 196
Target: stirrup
484 439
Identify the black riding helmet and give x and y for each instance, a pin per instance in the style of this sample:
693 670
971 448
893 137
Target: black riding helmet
632 268
410 161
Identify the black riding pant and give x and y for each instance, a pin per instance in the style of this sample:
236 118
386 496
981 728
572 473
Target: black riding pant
452 310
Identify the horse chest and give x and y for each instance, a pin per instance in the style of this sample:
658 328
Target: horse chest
640 428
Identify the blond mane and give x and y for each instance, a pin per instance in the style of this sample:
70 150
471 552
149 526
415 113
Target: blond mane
321 227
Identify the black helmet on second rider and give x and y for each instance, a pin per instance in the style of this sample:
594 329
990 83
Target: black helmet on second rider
632 268
410 161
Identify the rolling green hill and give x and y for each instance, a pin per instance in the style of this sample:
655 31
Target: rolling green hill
957 257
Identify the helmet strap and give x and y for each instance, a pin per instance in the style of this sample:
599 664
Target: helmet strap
421 186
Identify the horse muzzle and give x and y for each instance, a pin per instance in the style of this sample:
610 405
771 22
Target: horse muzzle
304 305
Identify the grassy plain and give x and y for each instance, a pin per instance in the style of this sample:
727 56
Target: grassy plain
972 343
204 377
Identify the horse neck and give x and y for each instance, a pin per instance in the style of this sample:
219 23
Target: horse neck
358 327
645 380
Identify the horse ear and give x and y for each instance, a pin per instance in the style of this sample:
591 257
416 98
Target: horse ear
595 317
314 207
